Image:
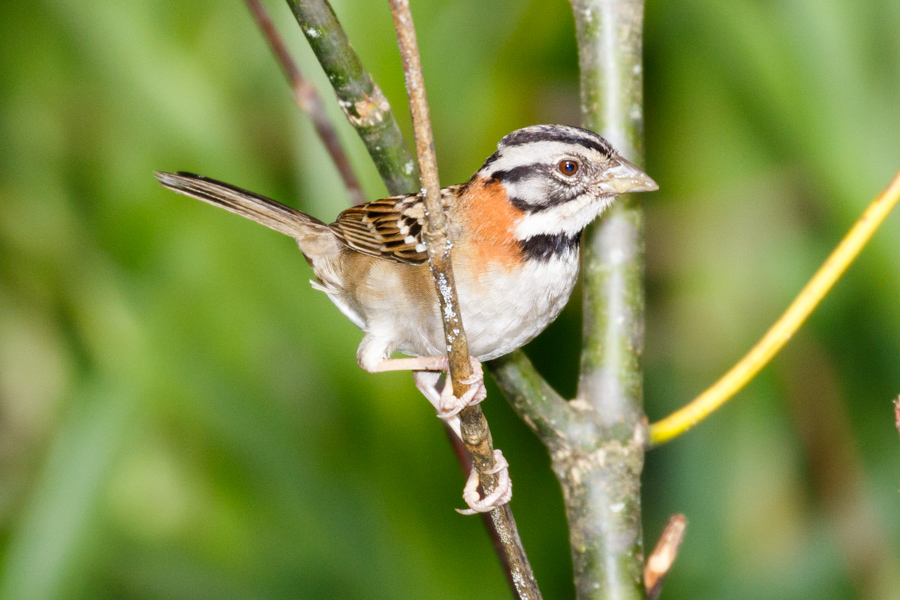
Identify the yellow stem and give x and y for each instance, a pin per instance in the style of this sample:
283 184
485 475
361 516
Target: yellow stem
741 373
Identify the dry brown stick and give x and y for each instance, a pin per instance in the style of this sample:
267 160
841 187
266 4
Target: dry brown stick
308 99
475 432
897 413
663 556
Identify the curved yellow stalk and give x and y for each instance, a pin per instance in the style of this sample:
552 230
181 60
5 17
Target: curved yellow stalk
741 373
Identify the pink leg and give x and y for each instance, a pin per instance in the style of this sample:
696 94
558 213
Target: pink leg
426 382
422 363
449 405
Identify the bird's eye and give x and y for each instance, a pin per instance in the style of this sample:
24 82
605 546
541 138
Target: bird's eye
568 167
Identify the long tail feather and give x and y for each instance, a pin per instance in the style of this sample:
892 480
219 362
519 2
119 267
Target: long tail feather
265 211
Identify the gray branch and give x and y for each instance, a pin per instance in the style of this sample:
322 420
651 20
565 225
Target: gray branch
597 440
536 402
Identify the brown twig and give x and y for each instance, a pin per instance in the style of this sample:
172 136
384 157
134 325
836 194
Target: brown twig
897 413
378 130
475 431
663 556
308 99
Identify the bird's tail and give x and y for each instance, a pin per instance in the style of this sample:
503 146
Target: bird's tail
270 213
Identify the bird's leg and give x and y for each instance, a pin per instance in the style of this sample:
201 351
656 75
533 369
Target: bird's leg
421 363
448 405
427 372
427 383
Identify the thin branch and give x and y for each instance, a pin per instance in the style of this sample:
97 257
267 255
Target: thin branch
663 556
475 431
779 334
897 413
308 99
359 97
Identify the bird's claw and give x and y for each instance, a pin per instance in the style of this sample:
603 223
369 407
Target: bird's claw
501 495
451 405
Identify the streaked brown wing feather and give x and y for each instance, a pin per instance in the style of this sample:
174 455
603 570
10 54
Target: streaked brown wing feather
390 228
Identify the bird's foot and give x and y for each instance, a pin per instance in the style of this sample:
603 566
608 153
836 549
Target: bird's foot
501 495
450 405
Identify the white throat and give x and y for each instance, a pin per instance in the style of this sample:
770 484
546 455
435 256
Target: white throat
568 218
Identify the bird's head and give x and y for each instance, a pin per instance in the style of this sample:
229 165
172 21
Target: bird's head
560 177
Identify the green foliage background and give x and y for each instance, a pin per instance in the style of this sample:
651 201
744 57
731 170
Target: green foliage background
181 416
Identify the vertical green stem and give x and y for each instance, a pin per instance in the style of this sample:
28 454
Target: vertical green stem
601 477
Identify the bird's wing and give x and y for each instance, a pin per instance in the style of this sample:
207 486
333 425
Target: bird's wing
391 228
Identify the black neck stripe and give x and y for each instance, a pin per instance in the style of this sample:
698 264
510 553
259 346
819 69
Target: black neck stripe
546 246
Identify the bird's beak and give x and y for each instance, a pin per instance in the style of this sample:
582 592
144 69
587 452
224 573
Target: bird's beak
625 178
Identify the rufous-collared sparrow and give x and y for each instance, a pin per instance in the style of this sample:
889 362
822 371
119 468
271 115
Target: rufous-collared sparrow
516 229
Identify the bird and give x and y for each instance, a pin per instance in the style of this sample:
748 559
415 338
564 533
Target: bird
515 226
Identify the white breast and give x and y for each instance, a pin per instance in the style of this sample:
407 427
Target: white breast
501 310
518 306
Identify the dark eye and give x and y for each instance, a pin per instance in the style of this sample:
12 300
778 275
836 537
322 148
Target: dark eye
568 167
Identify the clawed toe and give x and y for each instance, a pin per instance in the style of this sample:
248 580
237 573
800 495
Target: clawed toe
477 377
501 495
448 407
451 405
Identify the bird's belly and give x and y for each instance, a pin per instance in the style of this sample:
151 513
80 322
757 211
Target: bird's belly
504 311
